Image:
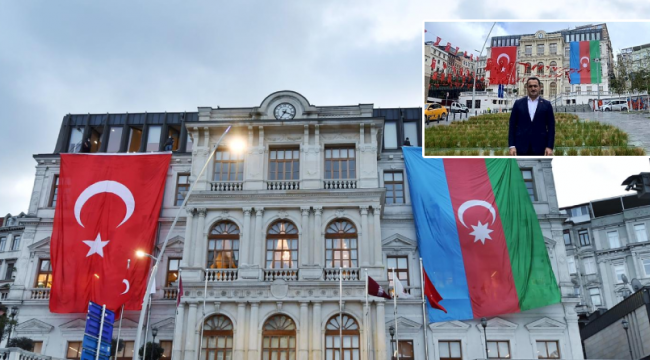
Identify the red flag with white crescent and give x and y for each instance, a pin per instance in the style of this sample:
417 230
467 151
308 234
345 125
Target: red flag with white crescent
503 60
107 209
438 39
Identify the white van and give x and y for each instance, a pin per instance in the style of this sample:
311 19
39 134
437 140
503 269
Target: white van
614 105
458 107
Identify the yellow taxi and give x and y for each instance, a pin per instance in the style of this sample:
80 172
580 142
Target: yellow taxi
435 112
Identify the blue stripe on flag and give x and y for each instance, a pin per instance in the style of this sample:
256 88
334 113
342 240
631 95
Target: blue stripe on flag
574 56
437 235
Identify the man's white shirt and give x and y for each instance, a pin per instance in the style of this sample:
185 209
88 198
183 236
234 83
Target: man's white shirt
532 107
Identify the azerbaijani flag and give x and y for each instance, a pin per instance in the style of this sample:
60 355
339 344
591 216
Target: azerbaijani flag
584 57
479 237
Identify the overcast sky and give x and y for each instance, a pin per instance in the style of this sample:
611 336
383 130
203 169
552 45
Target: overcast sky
59 57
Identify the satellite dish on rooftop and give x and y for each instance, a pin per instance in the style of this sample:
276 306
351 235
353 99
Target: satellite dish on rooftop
636 284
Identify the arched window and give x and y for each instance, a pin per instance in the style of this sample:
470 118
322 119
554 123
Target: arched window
527 69
553 68
278 339
540 69
223 246
282 246
341 244
350 332
541 88
553 90
217 338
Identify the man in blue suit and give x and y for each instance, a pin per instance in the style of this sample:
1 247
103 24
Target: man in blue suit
532 124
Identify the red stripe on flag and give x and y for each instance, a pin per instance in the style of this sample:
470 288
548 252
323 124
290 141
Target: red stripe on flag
585 72
487 262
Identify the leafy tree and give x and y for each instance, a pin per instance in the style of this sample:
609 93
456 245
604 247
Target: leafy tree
114 345
21 342
154 351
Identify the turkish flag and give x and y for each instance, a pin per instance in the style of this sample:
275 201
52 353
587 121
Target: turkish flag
432 294
503 60
448 47
438 39
107 209
433 63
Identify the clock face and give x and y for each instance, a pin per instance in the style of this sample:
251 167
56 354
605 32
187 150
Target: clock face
284 111
540 35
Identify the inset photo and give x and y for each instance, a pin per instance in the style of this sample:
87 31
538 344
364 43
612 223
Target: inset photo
536 88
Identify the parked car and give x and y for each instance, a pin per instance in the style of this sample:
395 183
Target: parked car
614 105
458 107
436 112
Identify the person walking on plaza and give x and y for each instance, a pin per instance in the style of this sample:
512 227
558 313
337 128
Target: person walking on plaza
532 124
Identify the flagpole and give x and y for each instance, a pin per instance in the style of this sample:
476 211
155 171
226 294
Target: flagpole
365 319
177 295
138 338
424 314
119 328
146 332
476 66
205 295
395 315
340 313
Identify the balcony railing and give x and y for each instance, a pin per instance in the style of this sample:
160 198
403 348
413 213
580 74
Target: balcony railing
348 274
39 294
226 185
340 184
220 275
284 274
170 293
20 354
283 185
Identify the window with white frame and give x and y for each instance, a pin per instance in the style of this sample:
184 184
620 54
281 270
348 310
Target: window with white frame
595 297
571 261
619 271
640 232
567 237
612 236
646 267
590 265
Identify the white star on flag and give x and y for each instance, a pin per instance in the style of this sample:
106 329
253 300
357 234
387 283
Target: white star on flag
96 246
481 232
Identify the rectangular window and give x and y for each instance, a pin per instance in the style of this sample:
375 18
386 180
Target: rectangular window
175 134
590 265
567 89
619 271
584 237
588 88
571 261
612 236
401 266
74 145
11 270
552 48
405 349
44 276
3 243
567 51
529 50
530 183
182 187
281 253
595 297
640 232
540 49
411 133
153 138
228 166
284 164
114 139
135 139
390 135
567 237
548 349
127 351
646 267
38 347
394 184
55 191
167 348
450 350
74 350
172 272
15 245
340 163
96 138
498 349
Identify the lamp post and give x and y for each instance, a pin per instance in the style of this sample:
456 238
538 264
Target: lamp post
142 254
154 332
479 60
14 312
391 330
484 324
626 325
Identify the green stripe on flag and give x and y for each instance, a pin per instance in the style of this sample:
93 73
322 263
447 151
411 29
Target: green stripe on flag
594 53
531 267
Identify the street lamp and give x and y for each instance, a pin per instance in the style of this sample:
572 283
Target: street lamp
154 332
626 325
484 324
479 59
14 312
391 331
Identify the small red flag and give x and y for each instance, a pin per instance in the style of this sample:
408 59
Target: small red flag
444 65
432 294
448 47
375 289
438 39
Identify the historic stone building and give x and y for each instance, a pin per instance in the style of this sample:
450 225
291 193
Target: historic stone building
317 188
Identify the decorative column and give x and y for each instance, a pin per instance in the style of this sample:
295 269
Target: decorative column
376 236
199 242
187 253
380 338
367 334
258 245
178 331
252 333
190 333
303 352
316 333
317 240
246 248
240 334
364 247
305 242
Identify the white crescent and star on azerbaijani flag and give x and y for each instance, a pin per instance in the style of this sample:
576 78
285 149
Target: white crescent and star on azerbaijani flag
481 231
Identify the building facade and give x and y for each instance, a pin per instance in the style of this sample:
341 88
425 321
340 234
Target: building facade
268 230
606 240
635 58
